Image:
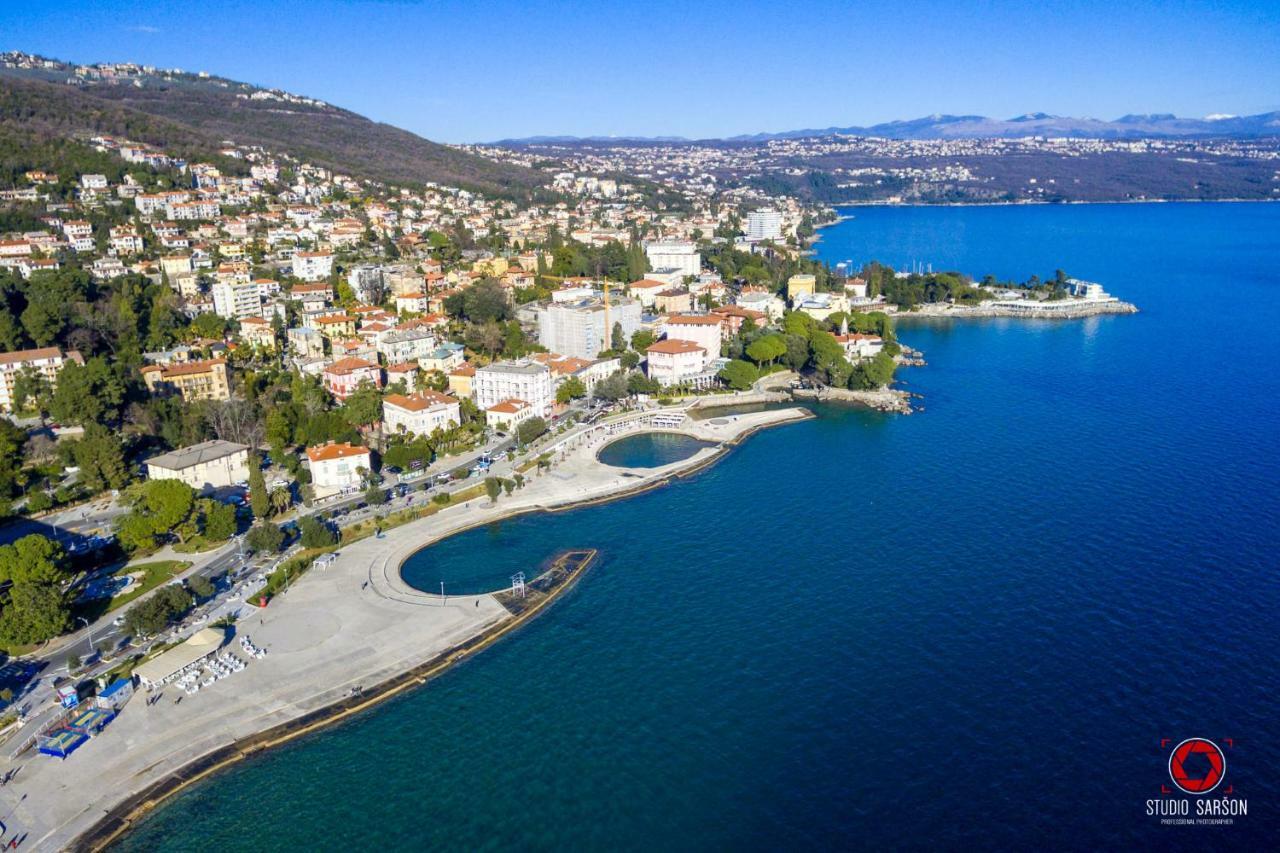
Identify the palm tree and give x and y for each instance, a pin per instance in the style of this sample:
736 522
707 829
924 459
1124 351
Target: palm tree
280 500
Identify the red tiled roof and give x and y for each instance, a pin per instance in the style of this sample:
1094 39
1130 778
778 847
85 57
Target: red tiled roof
674 346
421 401
325 452
349 365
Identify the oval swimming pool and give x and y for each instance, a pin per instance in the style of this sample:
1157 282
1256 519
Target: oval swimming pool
650 450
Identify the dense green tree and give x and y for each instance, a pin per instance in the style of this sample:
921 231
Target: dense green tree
486 338
35 613
159 508
201 587
768 348
740 375
493 488
32 559
375 495
827 356
638 383
92 393
875 372
37 608
483 302
570 389
259 500
364 406
530 429
618 338
642 340
613 387
219 520
209 326
265 537
797 351
152 615
32 392
12 439
100 456
315 533
43 322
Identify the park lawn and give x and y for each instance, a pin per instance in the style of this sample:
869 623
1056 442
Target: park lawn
197 545
154 575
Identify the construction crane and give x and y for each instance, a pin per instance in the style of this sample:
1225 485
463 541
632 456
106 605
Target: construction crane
608 329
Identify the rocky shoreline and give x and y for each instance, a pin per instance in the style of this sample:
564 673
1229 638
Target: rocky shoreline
880 399
1020 311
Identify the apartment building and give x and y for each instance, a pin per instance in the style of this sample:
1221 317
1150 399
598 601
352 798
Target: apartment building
192 380
47 361
419 414
519 380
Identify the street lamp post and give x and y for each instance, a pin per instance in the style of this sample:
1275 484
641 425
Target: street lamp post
90 630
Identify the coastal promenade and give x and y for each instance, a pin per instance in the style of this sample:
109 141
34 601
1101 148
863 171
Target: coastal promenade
1072 309
336 630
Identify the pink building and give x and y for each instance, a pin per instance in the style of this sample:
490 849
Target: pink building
344 376
705 330
673 361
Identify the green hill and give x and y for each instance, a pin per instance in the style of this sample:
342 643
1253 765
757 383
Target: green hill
193 115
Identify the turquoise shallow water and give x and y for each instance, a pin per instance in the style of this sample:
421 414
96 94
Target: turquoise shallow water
968 627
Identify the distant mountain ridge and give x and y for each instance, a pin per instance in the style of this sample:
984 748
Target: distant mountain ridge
1154 126
204 110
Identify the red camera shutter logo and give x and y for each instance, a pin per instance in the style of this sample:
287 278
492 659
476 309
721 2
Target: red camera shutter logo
1204 782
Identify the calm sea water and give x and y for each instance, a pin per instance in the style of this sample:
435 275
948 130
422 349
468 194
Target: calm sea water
968 627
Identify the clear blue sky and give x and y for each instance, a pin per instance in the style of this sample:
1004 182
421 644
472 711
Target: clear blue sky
488 69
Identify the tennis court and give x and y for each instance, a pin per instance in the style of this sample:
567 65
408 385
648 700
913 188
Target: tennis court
61 742
89 721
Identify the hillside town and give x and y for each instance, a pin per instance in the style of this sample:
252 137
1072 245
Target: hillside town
844 168
200 352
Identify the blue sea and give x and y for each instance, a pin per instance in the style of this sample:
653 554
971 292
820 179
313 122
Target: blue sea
972 627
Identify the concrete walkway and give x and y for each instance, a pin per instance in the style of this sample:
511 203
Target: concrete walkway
354 623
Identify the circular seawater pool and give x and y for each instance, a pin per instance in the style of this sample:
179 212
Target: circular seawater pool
508 549
650 450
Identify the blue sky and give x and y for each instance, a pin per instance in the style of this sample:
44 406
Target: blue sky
488 69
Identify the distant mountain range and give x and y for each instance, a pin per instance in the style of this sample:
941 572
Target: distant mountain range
1160 125
197 111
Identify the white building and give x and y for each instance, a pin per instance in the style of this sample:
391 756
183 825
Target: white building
419 414
207 465
583 328
763 302
520 380
677 255
406 345
1087 290
236 300
673 361
764 224
312 266
705 330
859 346
337 468
47 361
507 415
